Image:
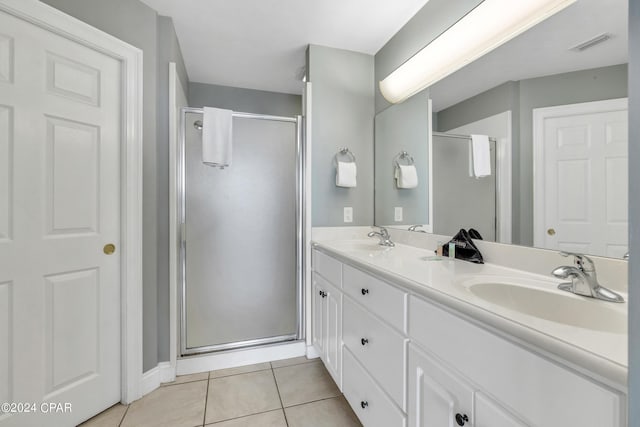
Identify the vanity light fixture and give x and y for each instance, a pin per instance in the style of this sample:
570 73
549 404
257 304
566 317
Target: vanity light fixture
489 25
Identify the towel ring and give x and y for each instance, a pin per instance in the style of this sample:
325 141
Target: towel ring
403 156
344 152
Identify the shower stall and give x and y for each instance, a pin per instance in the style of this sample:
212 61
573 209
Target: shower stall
241 236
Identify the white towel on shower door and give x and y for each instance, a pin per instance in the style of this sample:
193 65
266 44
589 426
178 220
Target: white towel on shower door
481 155
217 137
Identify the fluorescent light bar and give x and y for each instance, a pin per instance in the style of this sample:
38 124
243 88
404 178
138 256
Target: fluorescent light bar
489 25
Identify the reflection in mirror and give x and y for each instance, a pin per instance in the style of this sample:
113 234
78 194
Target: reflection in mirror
554 100
402 128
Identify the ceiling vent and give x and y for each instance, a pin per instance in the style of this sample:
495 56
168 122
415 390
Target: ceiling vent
591 42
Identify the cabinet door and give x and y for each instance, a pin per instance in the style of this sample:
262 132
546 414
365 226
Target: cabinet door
318 329
490 414
437 398
333 337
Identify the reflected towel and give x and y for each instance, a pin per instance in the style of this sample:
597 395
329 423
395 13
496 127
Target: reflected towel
346 174
406 176
481 153
217 136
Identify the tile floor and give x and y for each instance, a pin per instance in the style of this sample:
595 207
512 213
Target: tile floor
287 393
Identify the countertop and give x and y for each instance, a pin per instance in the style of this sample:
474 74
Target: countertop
599 354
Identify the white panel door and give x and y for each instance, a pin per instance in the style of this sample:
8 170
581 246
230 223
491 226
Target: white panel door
436 397
585 171
59 206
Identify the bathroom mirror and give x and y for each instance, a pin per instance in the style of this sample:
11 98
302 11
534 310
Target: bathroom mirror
553 101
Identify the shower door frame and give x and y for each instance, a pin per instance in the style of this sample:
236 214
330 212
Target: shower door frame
300 237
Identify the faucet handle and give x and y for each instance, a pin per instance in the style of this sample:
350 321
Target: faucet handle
584 262
383 231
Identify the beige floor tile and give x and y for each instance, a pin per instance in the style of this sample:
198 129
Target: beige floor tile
241 395
201 376
266 419
240 370
324 413
304 383
290 362
180 405
108 418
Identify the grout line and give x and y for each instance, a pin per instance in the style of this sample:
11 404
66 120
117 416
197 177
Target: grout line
242 416
184 382
124 415
315 401
206 400
280 397
239 373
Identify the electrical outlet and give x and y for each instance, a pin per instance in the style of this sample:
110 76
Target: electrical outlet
397 214
348 214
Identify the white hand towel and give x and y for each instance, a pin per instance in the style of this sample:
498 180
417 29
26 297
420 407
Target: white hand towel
481 155
217 137
346 174
407 176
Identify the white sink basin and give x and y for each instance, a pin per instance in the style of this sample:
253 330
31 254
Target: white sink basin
551 304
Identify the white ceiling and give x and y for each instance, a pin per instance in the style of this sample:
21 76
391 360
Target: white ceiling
544 50
260 44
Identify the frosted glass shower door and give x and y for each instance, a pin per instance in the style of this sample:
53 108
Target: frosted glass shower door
240 264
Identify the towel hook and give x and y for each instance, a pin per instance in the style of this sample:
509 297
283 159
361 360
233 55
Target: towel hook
344 152
403 156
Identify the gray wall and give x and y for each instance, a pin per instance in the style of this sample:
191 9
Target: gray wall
245 100
137 24
521 98
343 110
430 21
401 127
634 213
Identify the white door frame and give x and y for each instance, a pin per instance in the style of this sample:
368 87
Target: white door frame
539 117
130 57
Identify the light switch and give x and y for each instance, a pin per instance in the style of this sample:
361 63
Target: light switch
397 214
348 214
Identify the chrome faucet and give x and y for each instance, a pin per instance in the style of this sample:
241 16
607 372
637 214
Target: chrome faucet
414 228
383 235
583 279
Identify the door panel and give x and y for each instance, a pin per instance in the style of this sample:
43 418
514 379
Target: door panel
60 139
489 414
334 333
6 177
585 170
318 330
435 394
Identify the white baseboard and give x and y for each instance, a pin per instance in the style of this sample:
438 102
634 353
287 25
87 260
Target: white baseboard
151 380
312 353
235 358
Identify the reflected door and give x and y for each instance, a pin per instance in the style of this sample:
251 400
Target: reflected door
60 138
240 247
583 171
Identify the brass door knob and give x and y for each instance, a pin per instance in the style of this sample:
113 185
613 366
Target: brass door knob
109 248
551 232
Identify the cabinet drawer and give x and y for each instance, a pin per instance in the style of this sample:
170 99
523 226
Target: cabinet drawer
377 296
378 347
371 405
539 391
329 268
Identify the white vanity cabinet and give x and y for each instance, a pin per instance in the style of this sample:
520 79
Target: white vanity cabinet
538 391
439 397
403 360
